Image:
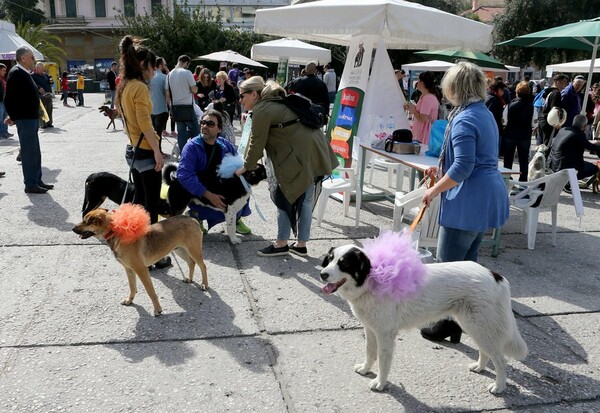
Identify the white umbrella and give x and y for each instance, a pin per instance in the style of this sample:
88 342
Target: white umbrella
10 41
403 25
580 66
295 51
230 56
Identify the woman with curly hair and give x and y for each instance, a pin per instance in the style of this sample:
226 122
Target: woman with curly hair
143 153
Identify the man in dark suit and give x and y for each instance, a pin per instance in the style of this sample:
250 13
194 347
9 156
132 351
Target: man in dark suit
22 103
568 147
111 78
311 87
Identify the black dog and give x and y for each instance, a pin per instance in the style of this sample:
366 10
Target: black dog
72 95
112 114
232 190
102 185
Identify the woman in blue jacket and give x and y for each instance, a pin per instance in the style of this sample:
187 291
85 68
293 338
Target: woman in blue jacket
474 196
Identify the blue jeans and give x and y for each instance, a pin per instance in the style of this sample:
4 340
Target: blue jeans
79 97
112 98
185 131
31 155
458 245
3 126
284 226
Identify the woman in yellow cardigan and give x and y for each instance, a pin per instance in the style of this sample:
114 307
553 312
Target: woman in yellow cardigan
143 153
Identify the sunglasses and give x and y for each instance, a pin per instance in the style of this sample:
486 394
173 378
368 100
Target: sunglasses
243 94
209 123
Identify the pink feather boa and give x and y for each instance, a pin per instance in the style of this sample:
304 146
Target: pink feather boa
396 270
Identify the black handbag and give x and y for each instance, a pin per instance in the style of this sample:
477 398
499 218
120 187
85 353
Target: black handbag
398 136
182 113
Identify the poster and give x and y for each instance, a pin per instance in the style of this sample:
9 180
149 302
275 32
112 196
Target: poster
345 116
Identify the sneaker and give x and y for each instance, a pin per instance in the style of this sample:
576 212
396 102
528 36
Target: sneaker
301 251
272 251
567 188
163 263
242 228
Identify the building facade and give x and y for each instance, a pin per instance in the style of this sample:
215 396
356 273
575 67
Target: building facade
86 26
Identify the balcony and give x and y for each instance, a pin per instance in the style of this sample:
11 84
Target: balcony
73 21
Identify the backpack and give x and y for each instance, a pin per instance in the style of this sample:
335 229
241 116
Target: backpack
539 100
309 114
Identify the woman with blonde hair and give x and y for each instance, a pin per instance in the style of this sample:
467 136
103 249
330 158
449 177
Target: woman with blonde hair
298 158
473 194
224 93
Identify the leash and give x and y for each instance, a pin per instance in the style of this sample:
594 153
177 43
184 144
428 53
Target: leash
248 189
419 216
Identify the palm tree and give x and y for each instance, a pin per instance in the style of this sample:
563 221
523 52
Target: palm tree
46 43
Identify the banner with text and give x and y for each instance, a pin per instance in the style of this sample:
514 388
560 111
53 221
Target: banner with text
347 107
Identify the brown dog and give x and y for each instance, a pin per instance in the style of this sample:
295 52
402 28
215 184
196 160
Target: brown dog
112 114
596 183
181 234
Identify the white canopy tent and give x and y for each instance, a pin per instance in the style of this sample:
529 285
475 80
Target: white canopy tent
10 41
229 56
580 66
402 24
296 51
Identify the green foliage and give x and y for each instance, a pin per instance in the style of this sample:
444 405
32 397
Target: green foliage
187 30
17 11
528 16
46 43
450 6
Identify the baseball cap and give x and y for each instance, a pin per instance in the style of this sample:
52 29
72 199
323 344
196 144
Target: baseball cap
246 70
579 77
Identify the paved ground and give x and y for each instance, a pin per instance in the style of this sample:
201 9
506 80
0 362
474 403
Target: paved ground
263 338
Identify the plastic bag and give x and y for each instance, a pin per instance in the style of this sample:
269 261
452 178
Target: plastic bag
436 138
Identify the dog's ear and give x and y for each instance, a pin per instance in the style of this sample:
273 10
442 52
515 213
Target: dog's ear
365 264
327 258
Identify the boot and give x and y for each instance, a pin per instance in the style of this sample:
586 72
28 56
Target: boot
441 330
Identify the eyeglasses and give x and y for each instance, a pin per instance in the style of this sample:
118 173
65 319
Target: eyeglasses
243 94
209 123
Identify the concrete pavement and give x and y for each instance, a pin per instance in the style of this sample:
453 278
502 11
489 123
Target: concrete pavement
263 338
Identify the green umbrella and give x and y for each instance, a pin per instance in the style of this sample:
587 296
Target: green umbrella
480 59
583 35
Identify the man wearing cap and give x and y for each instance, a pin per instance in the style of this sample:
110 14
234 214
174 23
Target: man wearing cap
568 147
571 98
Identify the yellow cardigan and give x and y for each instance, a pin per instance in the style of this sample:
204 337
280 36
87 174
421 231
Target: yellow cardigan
136 104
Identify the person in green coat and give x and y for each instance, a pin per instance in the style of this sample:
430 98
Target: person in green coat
298 157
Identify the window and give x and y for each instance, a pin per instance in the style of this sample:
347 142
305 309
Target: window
100 8
52 9
156 5
129 8
71 8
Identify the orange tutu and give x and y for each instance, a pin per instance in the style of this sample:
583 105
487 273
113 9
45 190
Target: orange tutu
130 222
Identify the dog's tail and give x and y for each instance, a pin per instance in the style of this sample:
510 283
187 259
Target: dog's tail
515 347
169 173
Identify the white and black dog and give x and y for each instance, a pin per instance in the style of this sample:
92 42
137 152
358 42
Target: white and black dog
232 189
477 298
537 166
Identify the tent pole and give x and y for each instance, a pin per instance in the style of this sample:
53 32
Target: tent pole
589 78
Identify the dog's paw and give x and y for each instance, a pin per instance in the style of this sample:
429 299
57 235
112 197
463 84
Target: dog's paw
235 240
476 368
376 384
496 389
361 369
157 312
203 287
127 301
187 280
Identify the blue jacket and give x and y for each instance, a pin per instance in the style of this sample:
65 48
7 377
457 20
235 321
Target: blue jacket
480 200
192 162
571 102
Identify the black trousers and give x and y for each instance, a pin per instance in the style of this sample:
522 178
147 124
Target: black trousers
522 147
147 191
159 122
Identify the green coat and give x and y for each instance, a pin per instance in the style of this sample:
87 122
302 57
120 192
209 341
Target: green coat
298 153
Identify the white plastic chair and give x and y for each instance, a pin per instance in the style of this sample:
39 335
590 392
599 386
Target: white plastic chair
346 184
390 166
533 200
406 208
